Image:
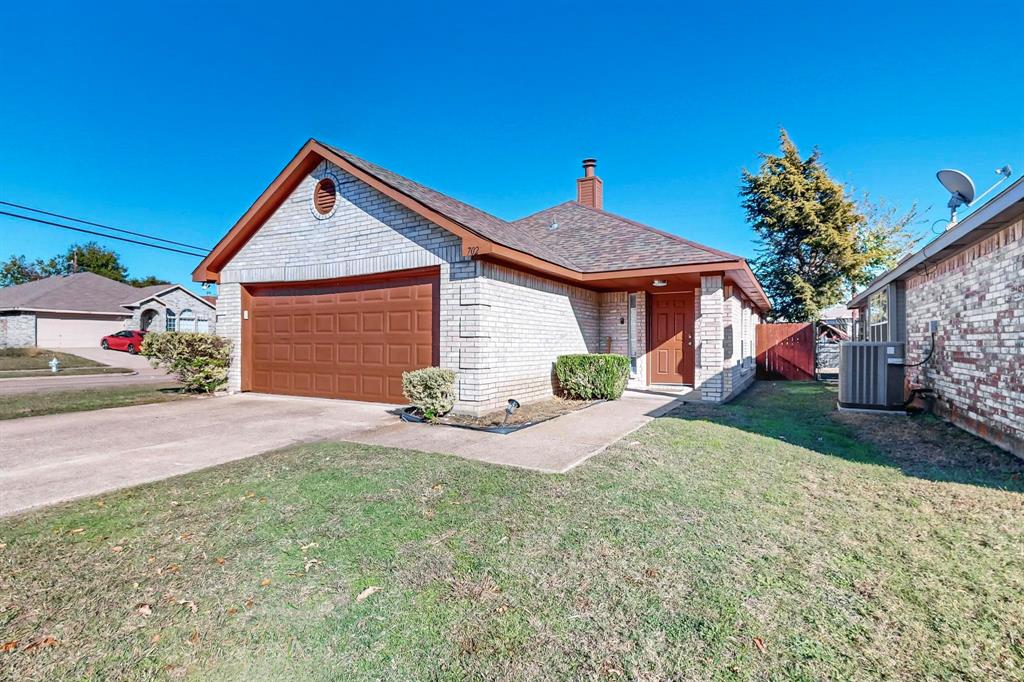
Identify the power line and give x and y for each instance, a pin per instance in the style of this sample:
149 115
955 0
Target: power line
101 234
105 227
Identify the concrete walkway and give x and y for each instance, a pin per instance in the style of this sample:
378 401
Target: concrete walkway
49 459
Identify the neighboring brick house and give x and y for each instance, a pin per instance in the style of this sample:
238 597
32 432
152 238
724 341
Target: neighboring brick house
343 275
969 282
76 311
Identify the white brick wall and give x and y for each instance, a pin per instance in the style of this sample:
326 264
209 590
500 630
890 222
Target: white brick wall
977 369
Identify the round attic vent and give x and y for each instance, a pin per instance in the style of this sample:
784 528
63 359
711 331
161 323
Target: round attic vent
324 197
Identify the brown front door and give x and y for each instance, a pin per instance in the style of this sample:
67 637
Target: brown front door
347 340
671 357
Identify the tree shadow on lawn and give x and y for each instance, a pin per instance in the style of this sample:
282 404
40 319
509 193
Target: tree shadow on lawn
804 414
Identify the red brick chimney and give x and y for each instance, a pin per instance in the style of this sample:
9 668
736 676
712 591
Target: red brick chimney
589 188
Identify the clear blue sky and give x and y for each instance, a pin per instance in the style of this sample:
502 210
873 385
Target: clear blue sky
173 120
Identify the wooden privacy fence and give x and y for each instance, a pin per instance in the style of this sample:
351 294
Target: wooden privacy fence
785 351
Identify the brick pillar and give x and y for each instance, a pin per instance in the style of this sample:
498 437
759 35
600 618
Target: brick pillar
709 336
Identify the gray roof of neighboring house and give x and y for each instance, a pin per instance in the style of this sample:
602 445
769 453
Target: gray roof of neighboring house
587 240
81 292
993 215
599 241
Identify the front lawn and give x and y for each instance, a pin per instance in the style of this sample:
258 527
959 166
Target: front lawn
757 540
17 405
39 358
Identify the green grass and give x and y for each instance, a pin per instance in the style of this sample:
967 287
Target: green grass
17 405
758 540
39 358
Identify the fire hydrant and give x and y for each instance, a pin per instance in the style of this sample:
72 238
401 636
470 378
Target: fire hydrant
54 365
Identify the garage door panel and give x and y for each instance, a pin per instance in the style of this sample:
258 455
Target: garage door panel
352 341
400 321
372 322
373 354
348 322
348 353
323 352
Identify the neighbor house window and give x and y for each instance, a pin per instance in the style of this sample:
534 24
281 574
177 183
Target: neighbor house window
187 321
878 316
171 320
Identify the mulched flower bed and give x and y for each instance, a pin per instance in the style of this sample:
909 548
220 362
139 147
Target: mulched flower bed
527 415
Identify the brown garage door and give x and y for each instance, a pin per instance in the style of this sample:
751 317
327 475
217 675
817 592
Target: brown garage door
351 340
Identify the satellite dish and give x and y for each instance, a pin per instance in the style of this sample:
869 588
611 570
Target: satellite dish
960 187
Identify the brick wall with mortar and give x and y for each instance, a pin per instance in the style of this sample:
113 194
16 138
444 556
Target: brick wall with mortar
500 329
738 362
723 340
17 330
977 369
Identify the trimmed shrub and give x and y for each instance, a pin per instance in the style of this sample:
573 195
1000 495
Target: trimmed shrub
200 361
593 376
430 390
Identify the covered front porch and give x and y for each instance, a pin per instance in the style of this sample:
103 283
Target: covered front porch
689 333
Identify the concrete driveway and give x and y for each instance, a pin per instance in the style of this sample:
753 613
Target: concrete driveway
143 373
53 458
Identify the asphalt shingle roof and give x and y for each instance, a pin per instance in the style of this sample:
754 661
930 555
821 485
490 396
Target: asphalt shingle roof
599 241
83 291
586 239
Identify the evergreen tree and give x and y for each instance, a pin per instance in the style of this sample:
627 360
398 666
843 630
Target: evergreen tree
816 245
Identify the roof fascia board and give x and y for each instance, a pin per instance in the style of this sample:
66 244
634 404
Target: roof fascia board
989 211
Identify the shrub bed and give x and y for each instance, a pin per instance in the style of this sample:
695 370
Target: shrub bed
200 361
592 376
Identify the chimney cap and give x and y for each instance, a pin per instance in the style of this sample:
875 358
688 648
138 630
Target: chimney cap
588 167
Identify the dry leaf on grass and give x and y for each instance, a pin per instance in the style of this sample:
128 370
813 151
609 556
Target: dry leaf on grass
144 609
116 548
221 560
759 643
154 639
7 647
264 582
311 563
41 643
309 546
191 604
76 531
365 594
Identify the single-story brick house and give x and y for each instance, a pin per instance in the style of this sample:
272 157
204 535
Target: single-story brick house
344 274
76 311
969 282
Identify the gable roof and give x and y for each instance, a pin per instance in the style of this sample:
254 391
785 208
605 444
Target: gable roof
155 291
81 292
616 247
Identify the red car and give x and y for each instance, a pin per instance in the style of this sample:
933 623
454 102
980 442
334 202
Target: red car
129 340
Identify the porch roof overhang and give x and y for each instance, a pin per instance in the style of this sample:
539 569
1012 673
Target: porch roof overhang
474 244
